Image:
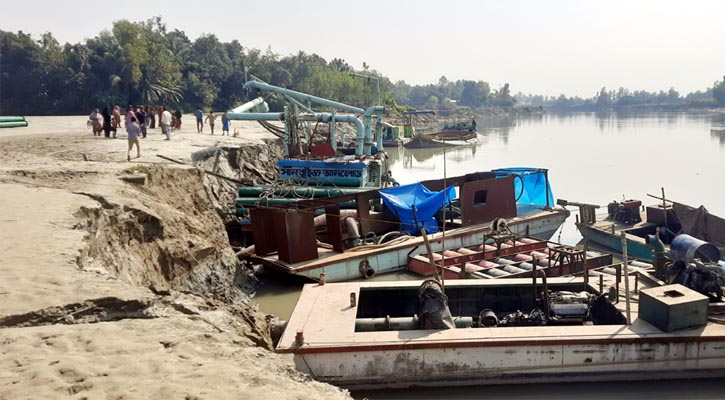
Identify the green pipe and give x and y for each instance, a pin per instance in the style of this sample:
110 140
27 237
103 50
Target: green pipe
11 119
13 124
264 201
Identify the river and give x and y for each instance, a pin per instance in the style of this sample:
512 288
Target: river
591 158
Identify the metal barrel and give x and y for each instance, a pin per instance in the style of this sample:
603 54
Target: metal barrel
526 266
523 257
503 261
687 248
496 272
513 270
464 250
487 264
538 254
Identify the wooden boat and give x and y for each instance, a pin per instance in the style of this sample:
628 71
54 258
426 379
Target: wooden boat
507 331
458 134
286 239
648 231
396 135
449 138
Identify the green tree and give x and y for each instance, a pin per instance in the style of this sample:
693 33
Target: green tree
604 99
718 92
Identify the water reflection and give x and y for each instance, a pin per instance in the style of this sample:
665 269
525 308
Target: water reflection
662 390
592 157
718 134
416 158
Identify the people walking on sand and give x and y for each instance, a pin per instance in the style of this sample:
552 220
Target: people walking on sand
106 122
160 111
115 120
133 130
150 118
117 113
95 121
129 114
141 119
165 123
177 114
199 122
225 124
211 118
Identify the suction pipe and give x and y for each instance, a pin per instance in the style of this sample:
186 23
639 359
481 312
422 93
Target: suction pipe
363 143
327 117
367 121
303 96
245 116
248 105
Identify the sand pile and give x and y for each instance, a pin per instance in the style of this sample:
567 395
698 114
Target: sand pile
117 279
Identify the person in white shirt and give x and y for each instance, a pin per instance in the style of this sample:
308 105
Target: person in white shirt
166 123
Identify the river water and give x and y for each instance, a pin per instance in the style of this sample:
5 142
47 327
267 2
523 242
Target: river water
591 158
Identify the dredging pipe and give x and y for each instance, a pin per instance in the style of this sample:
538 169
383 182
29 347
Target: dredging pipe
247 106
303 96
317 117
367 114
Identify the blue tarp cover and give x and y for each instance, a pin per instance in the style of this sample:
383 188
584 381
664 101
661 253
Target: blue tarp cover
400 201
535 185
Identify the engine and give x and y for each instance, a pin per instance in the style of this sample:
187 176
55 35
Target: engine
627 211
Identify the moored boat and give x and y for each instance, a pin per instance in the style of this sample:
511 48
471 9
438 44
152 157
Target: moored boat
442 139
458 134
396 135
504 331
312 237
648 231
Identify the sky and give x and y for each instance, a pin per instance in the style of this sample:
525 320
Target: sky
548 47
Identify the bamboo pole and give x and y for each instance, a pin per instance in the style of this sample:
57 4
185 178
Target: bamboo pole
430 257
625 263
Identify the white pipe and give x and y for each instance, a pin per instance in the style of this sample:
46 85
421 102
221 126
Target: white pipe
327 117
248 105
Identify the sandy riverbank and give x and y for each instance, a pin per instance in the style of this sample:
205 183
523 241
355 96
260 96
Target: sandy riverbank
81 247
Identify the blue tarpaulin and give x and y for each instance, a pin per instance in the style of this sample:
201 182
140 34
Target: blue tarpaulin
533 188
401 200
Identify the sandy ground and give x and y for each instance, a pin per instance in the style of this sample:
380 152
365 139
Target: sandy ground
80 247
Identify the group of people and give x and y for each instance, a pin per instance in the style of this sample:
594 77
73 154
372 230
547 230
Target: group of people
140 118
211 120
136 122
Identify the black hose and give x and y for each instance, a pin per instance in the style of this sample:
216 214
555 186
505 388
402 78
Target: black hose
522 186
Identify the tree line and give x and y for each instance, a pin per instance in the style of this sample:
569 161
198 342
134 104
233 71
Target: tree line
146 63
624 98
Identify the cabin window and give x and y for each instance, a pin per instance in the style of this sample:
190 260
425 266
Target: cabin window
479 198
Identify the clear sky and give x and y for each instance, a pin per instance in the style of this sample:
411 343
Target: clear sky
538 46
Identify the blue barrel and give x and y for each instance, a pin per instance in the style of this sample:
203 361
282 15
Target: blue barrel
687 248
513 270
527 266
496 273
